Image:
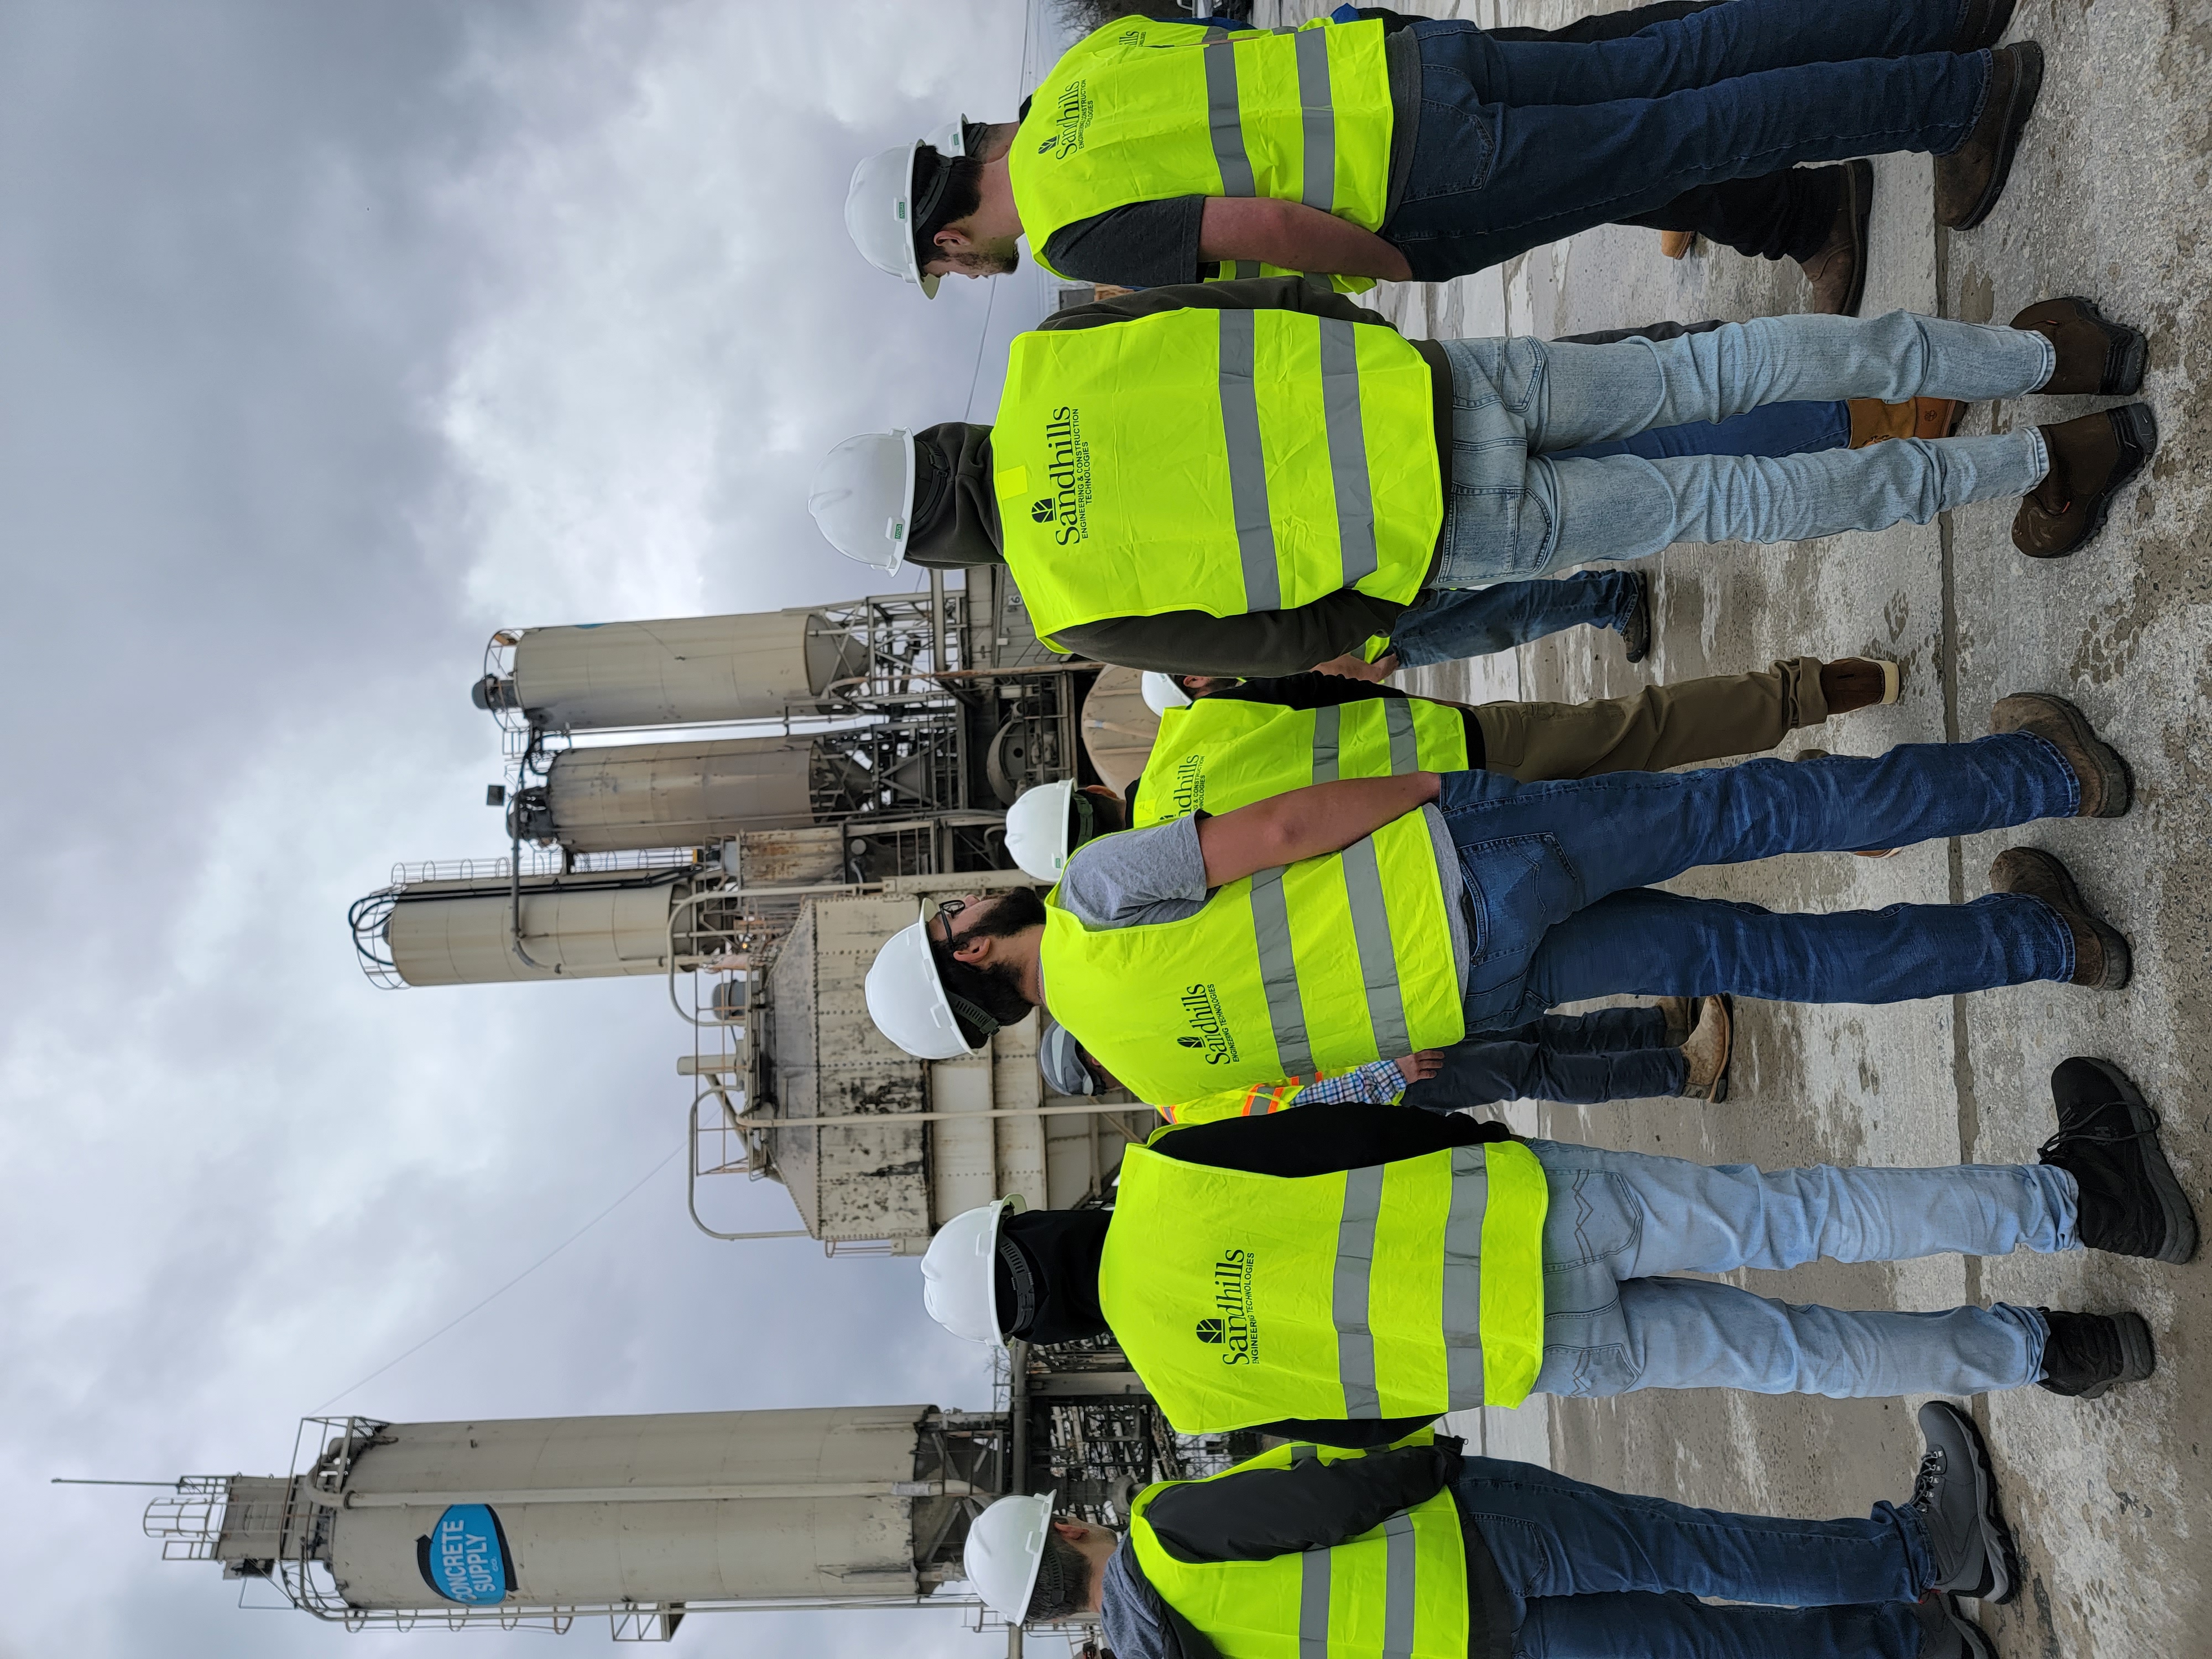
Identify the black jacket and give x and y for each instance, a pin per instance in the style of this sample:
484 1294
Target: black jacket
1255 1514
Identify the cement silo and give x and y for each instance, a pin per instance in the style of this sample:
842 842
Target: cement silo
681 671
631 796
470 929
643 1518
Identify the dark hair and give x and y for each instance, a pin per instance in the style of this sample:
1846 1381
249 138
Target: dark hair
1063 1583
944 194
995 991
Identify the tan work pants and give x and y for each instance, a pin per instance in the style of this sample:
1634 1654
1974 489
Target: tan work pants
1660 727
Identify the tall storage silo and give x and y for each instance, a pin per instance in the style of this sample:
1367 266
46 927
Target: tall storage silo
537 1520
631 796
589 925
681 671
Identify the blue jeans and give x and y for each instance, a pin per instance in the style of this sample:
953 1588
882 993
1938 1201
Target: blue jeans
1553 870
1605 1575
1794 428
1619 1223
1522 143
1516 506
1578 1060
1447 625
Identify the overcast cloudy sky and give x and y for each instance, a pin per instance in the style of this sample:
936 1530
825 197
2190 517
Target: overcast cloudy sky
334 333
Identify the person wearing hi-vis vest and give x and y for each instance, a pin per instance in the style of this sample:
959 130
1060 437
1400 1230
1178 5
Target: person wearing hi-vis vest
1372 145
1345 1273
1678 1047
1223 744
1257 478
1421 1551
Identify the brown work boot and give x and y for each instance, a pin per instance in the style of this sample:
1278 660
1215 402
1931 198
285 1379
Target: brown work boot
1706 1051
1983 26
1855 683
2106 786
1837 271
1677 244
2096 356
1681 1014
1969 180
1873 421
2101 959
2090 459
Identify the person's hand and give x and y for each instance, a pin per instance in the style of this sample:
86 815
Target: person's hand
1415 1068
1349 667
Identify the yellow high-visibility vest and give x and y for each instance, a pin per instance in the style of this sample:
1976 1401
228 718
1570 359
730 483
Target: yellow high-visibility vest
1316 966
1221 461
1399 1290
1143 111
1397 1592
1221 753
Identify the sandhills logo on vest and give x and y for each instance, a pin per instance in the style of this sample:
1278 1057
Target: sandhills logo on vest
1189 792
1067 466
1070 118
1230 1326
1202 1007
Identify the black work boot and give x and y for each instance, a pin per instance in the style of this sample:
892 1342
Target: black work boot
2107 1140
2101 958
1636 633
2086 1353
2107 788
1836 269
1969 180
1946 1633
2091 458
2097 356
1981 24
1955 1494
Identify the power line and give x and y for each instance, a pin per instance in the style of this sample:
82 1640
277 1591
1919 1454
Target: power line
626 1195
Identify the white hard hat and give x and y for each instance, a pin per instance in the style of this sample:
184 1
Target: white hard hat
959 1283
907 999
879 205
1036 829
1059 1058
1005 1547
1163 692
863 497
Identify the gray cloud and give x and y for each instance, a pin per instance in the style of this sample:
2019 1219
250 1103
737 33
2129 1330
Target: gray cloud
335 336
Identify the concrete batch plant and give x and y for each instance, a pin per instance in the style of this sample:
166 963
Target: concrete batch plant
812 776
644 1521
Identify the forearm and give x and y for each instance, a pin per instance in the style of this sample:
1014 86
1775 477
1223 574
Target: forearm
1256 643
1295 237
1308 822
1257 1514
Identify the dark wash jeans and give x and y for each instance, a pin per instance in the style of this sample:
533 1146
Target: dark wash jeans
1522 143
1577 1059
1559 874
1607 1574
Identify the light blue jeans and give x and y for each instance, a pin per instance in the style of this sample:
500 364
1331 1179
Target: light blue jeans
1620 1223
1515 509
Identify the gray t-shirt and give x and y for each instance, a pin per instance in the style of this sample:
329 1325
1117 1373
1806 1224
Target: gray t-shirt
1159 874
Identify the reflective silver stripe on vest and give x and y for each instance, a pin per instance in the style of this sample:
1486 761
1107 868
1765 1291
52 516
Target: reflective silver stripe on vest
1328 728
1355 1266
1318 117
1225 120
1313 1605
1347 448
1405 742
1399 1586
1378 955
1279 973
1248 461
1470 1200
1245 267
